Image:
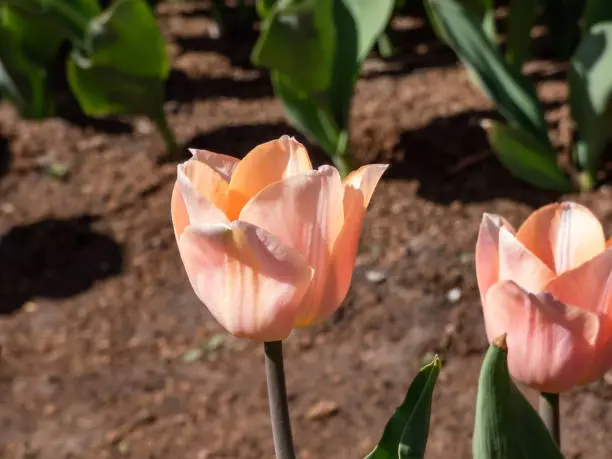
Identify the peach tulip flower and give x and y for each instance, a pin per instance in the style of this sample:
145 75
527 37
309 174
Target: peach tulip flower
268 243
549 287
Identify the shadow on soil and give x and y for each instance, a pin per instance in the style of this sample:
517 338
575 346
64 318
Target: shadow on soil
450 157
415 46
452 160
5 156
184 88
238 140
236 47
54 259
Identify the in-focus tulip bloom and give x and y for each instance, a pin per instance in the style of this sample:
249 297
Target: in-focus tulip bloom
268 243
549 287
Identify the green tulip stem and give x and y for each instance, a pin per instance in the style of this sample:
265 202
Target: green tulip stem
344 163
549 412
277 399
173 150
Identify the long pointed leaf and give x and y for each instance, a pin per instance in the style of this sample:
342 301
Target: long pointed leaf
513 94
405 435
590 80
521 18
526 157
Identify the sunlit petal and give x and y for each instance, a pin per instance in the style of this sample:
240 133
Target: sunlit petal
264 165
562 235
251 282
487 251
520 265
551 346
305 213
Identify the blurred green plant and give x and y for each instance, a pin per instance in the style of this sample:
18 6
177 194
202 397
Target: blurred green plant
118 63
523 145
314 51
234 20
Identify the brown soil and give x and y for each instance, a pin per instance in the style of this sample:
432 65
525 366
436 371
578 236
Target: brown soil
106 353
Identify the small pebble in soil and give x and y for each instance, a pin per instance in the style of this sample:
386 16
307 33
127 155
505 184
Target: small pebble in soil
322 409
30 306
453 295
375 276
7 208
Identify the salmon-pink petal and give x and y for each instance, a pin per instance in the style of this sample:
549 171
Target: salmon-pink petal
178 211
365 179
589 286
265 164
551 345
609 243
487 251
203 193
344 251
250 282
562 235
304 212
223 165
518 264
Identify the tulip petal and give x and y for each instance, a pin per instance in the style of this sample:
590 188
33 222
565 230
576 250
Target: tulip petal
203 192
358 190
178 211
562 235
487 251
305 213
365 179
223 165
588 287
551 345
265 164
518 264
249 281
609 243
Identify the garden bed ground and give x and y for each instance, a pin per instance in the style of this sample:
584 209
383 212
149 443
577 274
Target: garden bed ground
106 352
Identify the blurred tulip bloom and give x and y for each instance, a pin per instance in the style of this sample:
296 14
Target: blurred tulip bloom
268 243
549 287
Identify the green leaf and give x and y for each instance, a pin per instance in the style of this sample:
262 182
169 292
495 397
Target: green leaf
526 157
513 94
485 12
507 426
358 24
22 81
297 40
305 114
521 18
31 33
264 7
597 11
65 18
405 435
124 64
591 93
126 37
369 19
314 51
